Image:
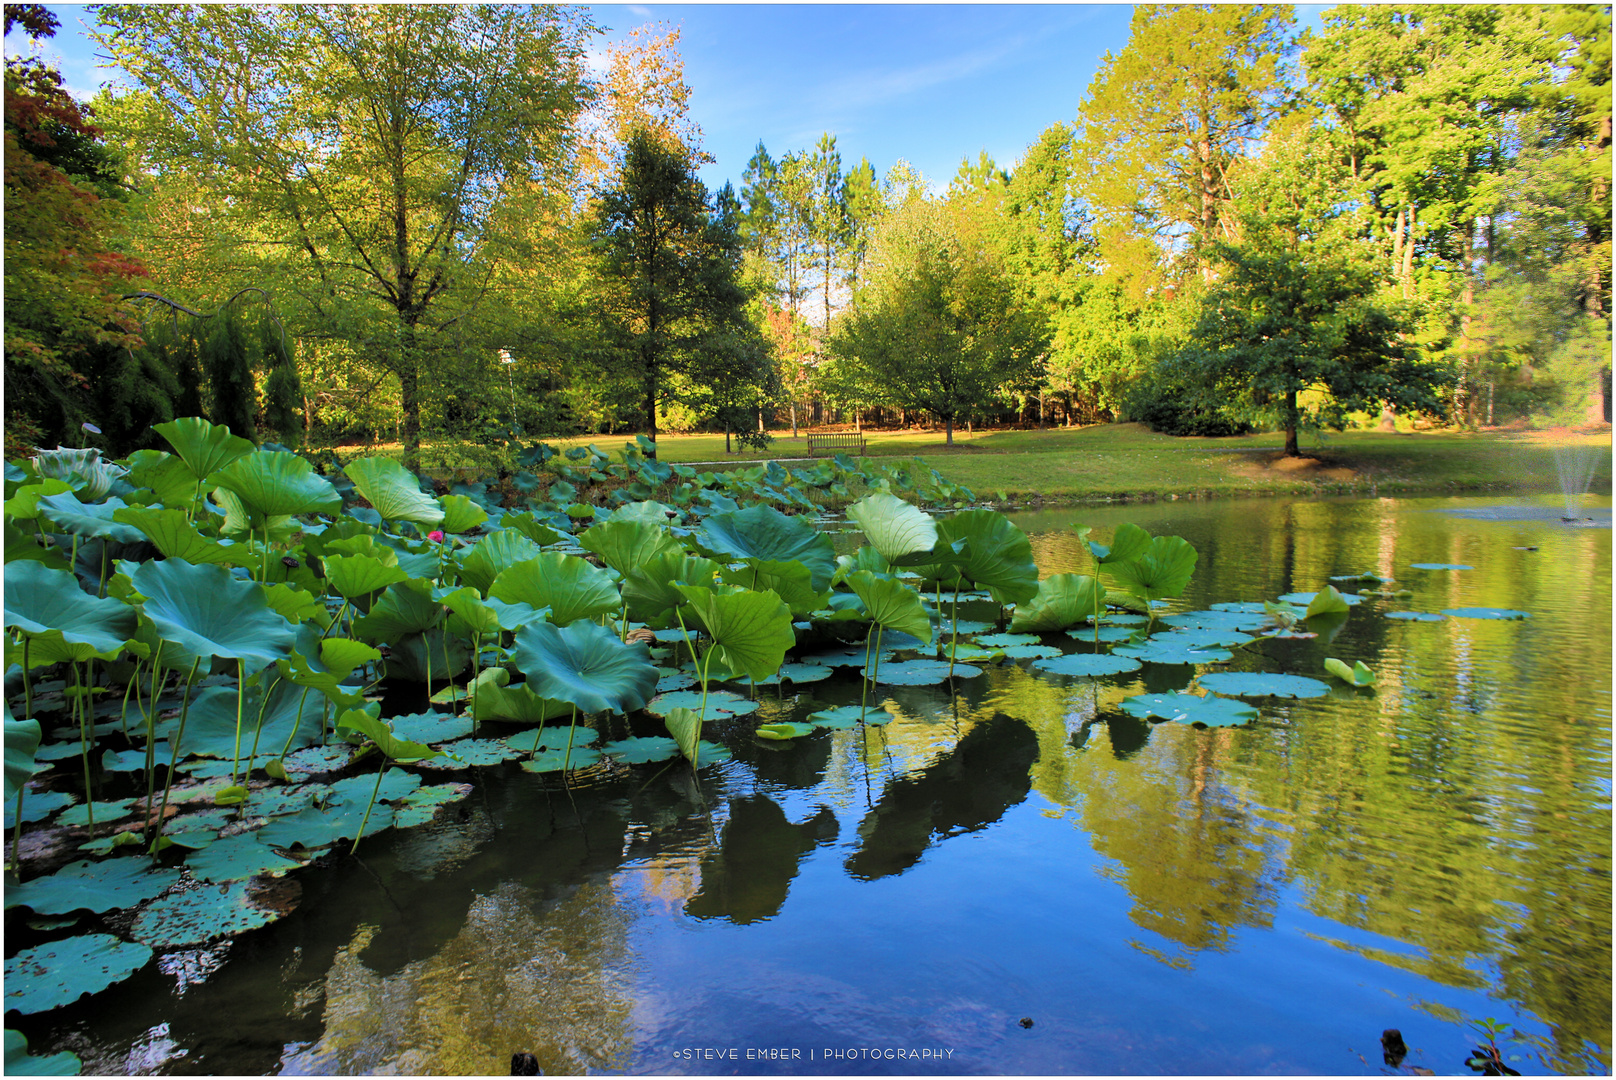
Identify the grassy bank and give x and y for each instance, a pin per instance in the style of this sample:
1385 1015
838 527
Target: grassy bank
1127 461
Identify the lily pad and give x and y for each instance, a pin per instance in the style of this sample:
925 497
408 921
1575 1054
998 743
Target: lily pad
422 805
584 665
200 916
470 752
1238 621
430 727
60 972
1087 665
1414 616
1439 566
237 858
1305 598
1008 639
796 673
1162 649
1239 607
641 750
1031 652
847 716
1259 684
921 673
19 1062
1185 708
92 886
37 806
318 759
1106 634
105 812
1486 613
560 758
316 828
720 703
783 731
357 789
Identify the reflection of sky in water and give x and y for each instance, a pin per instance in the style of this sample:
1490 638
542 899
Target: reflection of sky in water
1156 898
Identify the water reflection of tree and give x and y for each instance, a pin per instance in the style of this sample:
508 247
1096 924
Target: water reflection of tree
745 879
968 788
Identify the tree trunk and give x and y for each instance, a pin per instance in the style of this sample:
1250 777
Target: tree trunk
948 429
650 411
1291 449
727 450
409 392
1408 257
793 419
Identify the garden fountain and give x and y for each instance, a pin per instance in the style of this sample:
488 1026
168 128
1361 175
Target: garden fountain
1576 464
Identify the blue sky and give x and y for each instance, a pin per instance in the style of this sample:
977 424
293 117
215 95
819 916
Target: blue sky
928 83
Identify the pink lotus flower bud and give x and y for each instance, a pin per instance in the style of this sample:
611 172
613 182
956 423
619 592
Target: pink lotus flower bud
436 536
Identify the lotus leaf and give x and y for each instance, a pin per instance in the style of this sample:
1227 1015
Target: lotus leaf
60 972
1062 601
1258 684
561 759
203 612
1357 675
39 599
649 590
642 750
204 447
407 607
277 484
89 519
422 805
393 491
492 699
318 759
624 544
782 731
37 805
22 742
1230 621
900 532
356 790
1162 649
290 716
1031 652
21 1063
302 671
532 528
761 532
172 533
570 587
105 812
92 886
1008 639
1087 664
1104 634
1486 613
921 673
1197 637
1161 570
430 727
1187 708
976 654
393 747
797 673
24 505
1439 566
1347 600
849 657
681 680
237 858
195 918
584 665
460 514
865 558
750 631
790 581
280 801
316 828
1414 616
996 554
720 703
360 575
892 604
685 727
1127 543
465 753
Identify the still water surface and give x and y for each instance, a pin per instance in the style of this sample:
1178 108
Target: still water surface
1154 898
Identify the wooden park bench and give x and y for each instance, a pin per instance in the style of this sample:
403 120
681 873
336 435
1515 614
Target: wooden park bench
836 443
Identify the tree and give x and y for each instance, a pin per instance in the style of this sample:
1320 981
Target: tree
827 214
379 161
939 325
65 275
671 290
1166 120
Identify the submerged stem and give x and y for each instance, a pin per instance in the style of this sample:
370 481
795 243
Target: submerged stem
174 756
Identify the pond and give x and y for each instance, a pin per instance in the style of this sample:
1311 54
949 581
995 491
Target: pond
1020 878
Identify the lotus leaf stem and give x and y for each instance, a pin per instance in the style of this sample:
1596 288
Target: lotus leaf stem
258 731
381 772
80 704
454 702
27 680
241 697
174 754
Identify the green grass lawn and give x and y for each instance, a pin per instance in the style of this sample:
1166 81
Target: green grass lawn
1126 461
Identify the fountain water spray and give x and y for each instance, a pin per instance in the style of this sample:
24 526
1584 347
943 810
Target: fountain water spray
1576 464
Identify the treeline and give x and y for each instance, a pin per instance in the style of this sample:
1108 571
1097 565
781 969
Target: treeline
462 233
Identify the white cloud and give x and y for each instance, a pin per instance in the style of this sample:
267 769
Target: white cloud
868 88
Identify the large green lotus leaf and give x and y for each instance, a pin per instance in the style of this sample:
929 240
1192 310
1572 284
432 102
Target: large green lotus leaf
624 544
720 703
1162 570
342 655
393 490
92 886
1186 708
176 538
422 805
642 750
22 741
584 665
751 631
1486 613
59 973
892 604
295 605
560 759
39 599
1258 684
204 447
316 828
378 732
19 1062
24 547
491 555
1063 601
491 699
1162 649
407 607
532 528
569 586
302 671
685 727
89 519
761 532
790 581
460 514
900 532
278 483
24 505
165 475
210 728
356 790
468 614
921 673
360 575
1127 543
195 918
997 555
649 590
204 612
237 858
1087 665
